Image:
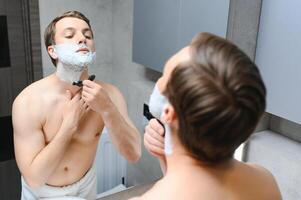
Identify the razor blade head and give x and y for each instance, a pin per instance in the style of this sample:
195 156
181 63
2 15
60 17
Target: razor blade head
80 83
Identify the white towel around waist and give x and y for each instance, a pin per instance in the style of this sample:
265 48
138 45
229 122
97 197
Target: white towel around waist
85 188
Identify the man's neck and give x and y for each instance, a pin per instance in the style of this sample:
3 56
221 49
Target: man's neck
181 160
66 79
178 159
70 74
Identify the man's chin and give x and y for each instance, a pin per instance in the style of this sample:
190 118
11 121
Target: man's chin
78 68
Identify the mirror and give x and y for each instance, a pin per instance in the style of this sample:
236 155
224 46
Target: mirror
113 26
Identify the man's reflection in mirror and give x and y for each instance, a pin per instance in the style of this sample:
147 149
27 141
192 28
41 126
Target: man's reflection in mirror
58 122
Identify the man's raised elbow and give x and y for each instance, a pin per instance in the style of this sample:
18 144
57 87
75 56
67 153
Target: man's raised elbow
134 156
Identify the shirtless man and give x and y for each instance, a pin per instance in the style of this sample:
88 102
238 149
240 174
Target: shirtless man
211 96
57 125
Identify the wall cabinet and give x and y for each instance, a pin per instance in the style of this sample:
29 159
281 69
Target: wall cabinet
278 57
161 28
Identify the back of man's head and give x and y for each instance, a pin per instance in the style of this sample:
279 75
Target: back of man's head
50 29
219 97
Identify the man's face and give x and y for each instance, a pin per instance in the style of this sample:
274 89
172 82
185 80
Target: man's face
73 30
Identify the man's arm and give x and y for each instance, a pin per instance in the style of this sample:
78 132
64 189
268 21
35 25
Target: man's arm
36 160
110 104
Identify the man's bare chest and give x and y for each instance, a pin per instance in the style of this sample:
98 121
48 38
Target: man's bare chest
90 125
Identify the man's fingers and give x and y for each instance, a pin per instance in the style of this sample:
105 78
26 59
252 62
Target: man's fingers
68 94
154 150
86 106
77 97
88 89
152 133
89 84
82 101
156 126
153 141
86 95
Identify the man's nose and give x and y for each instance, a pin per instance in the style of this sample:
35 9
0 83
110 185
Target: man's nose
81 39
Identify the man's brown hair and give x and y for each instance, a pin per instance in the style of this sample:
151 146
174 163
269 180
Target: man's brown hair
219 97
50 30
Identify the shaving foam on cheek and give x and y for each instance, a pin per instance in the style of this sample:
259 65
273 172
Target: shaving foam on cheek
70 62
157 104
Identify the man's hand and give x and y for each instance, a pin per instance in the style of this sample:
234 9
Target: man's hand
73 112
154 138
95 96
108 101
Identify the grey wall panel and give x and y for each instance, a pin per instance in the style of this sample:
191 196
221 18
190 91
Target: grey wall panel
202 16
285 127
156 24
278 56
243 24
161 28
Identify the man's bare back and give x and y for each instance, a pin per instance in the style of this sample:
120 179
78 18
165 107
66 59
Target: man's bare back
236 181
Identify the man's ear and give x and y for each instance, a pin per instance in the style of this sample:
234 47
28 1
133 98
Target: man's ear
52 52
170 116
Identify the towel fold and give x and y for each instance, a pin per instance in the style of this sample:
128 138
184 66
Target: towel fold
85 188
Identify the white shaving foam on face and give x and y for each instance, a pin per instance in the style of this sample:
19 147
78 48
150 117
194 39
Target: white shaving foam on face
71 63
168 146
157 105
157 102
66 74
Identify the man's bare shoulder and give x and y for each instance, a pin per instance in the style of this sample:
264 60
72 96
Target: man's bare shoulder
260 171
31 95
33 89
265 180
